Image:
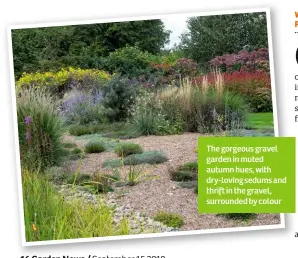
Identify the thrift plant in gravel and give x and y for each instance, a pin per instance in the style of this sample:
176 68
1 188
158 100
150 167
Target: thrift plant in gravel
94 147
240 216
125 149
170 219
149 157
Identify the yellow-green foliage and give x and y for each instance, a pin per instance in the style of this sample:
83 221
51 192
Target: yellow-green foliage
49 217
60 78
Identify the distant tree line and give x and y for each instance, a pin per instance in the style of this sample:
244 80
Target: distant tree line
211 36
87 46
51 48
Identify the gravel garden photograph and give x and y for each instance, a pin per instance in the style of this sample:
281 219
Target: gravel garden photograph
109 114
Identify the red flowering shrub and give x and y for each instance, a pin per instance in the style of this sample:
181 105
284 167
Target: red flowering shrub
254 86
166 68
186 67
241 81
257 60
246 82
169 73
161 74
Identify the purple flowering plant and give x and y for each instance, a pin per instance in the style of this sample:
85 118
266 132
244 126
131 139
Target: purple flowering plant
28 121
82 107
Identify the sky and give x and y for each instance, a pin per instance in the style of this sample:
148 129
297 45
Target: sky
177 24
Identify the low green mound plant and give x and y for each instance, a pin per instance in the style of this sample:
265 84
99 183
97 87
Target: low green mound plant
128 148
170 219
149 157
187 172
109 143
183 176
94 147
193 166
69 145
188 184
113 163
239 216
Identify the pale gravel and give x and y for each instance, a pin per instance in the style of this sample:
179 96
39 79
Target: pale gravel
161 193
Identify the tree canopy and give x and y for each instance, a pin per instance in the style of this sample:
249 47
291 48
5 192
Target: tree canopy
211 36
51 48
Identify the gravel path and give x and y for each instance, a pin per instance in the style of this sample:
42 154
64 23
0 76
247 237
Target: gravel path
161 193
138 223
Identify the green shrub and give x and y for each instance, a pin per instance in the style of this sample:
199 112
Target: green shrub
240 216
186 67
94 147
69 145
205 108
119 94
170 219
187 172
193 166
188 184
48 217
128 148
40 129
149 157
260 100
129 61
183 176
149 118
